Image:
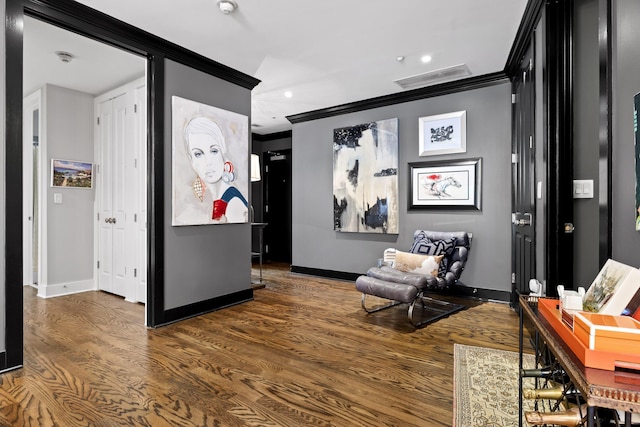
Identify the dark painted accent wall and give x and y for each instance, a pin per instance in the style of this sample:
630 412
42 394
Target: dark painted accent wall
626 78
202 262
317 246
585 150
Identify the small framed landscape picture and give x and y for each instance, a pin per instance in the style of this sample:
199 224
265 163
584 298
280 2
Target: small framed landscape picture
443 134
71 174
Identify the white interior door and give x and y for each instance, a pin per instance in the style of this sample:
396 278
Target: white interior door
104 189
111 180
121 193
121 188
140 219
31 109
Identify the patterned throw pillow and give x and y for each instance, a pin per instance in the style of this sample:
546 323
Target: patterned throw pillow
416 263
423 245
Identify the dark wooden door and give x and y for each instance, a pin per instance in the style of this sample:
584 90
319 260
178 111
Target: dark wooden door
277 206
523 186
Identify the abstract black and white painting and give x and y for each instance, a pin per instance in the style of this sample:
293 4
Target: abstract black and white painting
365 178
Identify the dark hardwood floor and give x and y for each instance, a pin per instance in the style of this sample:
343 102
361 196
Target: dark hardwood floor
303 353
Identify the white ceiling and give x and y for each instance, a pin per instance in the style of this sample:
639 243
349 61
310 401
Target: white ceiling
95 68
326 53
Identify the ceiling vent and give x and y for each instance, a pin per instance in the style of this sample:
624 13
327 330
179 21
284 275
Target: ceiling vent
433 77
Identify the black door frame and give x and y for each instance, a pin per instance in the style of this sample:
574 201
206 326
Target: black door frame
90 23
605 134
558 69
523 202
84 21
558 141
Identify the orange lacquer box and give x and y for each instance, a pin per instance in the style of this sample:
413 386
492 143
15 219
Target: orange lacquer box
610 356
606 332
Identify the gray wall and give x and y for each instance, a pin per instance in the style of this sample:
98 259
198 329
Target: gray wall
586 115
202 262
626 78
69 136
316 245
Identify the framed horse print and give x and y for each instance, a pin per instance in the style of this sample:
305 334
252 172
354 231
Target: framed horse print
446 184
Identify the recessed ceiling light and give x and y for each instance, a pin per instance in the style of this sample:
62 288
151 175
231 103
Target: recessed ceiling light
64 56
288 94
399 58
227 6
426 59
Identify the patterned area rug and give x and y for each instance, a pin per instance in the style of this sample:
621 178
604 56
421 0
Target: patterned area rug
486 386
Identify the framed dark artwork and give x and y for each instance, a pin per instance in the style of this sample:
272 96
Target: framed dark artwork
446 184
365 178
443 134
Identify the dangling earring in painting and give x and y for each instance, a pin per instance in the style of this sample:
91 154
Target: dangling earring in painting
199 188
228 175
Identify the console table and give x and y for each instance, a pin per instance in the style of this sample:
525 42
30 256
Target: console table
599 388
260 227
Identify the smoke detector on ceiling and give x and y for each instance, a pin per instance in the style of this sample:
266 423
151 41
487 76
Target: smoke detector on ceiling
227 6
65 57
433 77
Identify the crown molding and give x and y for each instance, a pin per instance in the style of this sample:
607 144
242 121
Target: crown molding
272 136
441 89
524 34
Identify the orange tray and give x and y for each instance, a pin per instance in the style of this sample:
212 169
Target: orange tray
548 308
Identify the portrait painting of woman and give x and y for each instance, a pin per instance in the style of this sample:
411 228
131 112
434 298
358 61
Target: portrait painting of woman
210 164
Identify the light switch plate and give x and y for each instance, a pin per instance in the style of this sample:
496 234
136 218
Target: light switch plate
57 198
583 189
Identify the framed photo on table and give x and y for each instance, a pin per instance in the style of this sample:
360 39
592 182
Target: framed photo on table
445 184
443 134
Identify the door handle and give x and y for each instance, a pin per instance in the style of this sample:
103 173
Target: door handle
110 220
521 222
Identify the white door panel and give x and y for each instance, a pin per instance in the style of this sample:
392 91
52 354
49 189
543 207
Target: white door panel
121 188
120 192
105 254
105 196
119 261
140 198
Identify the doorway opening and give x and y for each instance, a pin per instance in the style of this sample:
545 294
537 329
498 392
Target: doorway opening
277 206
64 73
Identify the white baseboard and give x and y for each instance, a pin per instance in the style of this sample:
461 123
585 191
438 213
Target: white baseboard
59 289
